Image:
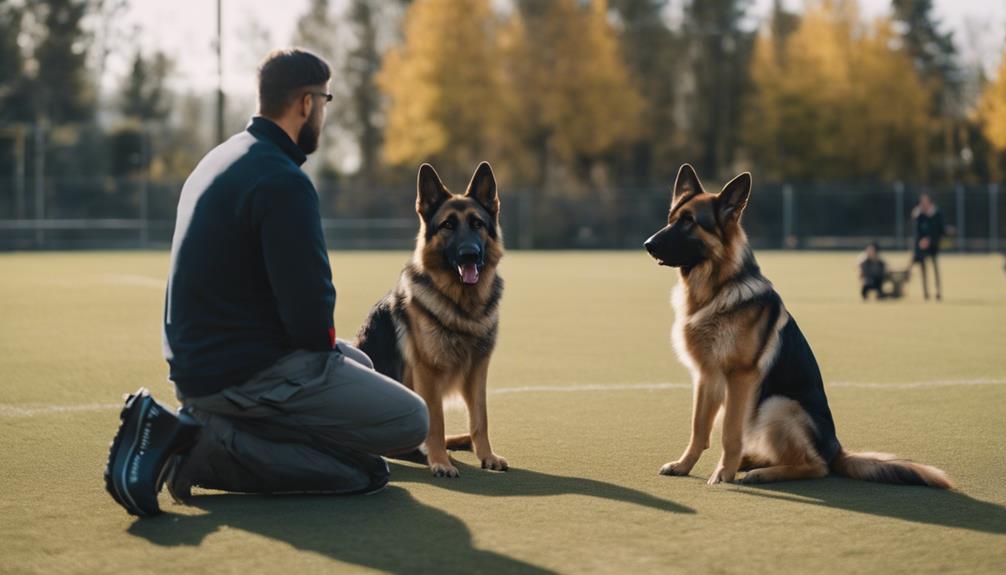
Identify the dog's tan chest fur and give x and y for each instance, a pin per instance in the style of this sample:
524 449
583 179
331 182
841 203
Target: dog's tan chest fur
723 335
440 336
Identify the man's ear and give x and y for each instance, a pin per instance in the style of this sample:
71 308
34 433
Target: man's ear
306 106
430 192
686 183
482 189
733 199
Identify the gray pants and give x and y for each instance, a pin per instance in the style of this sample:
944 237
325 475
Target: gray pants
312 422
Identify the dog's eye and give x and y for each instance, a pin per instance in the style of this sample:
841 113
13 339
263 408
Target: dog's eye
688 217
477 224
447 225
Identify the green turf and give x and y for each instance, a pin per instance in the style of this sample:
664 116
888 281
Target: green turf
583 494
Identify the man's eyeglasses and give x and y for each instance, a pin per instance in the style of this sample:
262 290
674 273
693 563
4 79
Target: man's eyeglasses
328 97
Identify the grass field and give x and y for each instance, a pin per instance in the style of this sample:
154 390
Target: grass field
588 401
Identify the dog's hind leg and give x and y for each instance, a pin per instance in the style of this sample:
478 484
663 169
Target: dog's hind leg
786 473
751 460
461 442
782 432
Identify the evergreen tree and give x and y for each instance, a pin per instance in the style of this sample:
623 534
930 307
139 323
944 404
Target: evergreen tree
360 68
63 91
145 95
13 83
719 51
932 50
653 55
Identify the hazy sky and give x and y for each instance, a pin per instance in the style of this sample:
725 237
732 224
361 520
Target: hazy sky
185 29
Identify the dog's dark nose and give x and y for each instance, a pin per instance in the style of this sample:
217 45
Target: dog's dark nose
648 244
469 253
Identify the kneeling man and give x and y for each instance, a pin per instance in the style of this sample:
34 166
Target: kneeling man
272 401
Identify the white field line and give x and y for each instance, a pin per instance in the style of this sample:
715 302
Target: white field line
589 387
668 385
135 280
35 410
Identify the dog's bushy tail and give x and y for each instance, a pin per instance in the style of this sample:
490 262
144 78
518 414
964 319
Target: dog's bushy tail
886 468
459 442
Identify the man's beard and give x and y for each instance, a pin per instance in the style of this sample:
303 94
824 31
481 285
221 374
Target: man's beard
310 133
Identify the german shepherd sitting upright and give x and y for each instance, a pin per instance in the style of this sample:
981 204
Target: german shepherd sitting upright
437 328
746 353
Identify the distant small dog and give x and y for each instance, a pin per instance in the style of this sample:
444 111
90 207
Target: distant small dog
436 330
746 353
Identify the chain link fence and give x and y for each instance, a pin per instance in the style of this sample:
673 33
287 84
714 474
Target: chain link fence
50 198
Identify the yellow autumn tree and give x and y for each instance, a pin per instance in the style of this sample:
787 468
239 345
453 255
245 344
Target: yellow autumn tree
573 99
443 86
890 108
992 109
839 100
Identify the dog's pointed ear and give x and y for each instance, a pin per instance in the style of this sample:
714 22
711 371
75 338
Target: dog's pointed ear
482 189
733 199
430 192
687 183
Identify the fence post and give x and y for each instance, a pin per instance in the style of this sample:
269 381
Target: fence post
144 208
787 214
993 217
19 171
526 228
899 215
39 183
959 189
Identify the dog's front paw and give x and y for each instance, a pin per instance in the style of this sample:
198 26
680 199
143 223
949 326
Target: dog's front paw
495 463
443 470
755 476
676 468
721 475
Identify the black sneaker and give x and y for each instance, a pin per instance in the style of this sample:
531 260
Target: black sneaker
149 436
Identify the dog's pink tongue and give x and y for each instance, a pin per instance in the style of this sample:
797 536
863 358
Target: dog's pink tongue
469 273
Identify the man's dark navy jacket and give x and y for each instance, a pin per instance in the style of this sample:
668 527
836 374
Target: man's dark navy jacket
250 279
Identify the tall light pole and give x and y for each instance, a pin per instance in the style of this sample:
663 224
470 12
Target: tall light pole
220 72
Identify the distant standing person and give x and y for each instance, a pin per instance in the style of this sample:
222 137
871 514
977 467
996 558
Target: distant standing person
928 231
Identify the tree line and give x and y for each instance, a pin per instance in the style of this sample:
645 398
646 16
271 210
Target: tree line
566 97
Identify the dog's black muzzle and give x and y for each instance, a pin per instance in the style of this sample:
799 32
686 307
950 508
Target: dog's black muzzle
672 247
470 254
468 258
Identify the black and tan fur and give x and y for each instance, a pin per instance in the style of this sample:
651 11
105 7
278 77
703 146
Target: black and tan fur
434 332
748 357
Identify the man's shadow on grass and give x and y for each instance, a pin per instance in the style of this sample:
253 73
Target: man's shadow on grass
915 504
389 531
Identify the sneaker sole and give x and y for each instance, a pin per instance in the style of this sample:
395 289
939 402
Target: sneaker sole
127 426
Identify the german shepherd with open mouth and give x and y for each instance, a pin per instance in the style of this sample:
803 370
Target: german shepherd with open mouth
746 354
437 328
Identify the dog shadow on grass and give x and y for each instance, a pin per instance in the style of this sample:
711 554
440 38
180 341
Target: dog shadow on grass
390 531
914 504
527 483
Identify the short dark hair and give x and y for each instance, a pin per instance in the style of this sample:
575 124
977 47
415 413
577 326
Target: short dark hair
282 76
